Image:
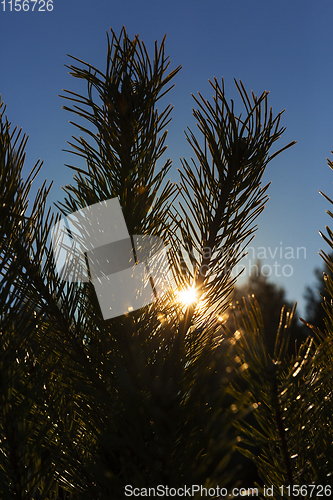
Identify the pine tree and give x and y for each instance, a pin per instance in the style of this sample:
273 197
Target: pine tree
271 299
289 427
316 296
150 397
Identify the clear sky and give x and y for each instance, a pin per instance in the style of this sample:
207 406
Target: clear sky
282 46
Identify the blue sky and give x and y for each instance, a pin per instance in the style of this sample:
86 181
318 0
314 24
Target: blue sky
282 46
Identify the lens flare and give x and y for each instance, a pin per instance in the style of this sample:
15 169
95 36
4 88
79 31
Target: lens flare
187 296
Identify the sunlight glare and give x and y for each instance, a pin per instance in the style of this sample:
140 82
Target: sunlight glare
188 296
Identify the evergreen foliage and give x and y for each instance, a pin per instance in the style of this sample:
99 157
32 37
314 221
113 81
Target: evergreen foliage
159 396
316 296
271 299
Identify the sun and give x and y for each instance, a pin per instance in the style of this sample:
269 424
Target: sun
188 296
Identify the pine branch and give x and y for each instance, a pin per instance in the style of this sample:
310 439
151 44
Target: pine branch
224 193
126 136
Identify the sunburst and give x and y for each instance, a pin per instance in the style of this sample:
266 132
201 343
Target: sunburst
187 296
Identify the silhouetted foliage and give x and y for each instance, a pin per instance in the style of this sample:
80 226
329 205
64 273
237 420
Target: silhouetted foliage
158 396
316 296
272 300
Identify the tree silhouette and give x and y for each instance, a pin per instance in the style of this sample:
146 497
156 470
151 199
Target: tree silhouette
316 296
155 396
272 301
